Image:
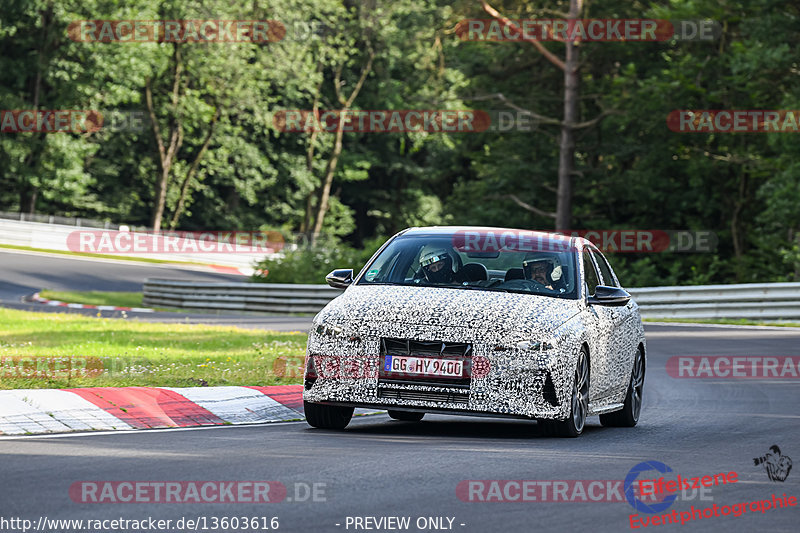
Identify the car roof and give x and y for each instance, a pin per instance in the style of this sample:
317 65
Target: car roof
576 242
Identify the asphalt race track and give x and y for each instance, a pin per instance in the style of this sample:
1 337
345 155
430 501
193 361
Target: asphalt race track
24 273
378 467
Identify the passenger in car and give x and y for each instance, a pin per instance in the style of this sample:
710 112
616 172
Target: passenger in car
540 269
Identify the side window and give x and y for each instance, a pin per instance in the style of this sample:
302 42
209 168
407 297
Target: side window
605 270
413 271
589 274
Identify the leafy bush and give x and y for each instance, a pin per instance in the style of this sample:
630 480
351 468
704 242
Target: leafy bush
310 264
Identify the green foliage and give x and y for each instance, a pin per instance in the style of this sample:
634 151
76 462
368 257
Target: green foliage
632 171
307 264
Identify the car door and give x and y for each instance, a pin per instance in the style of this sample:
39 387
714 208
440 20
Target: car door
622 344
600 323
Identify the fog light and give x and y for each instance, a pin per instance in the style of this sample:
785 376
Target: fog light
536 346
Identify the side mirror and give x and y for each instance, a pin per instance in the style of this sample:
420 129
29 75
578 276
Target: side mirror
340 278
613 296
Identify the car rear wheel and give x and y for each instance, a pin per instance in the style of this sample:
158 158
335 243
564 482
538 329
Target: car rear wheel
628 416
573 425
406 416
327 416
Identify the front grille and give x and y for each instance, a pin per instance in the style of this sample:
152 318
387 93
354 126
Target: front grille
426 348
459 351
454 396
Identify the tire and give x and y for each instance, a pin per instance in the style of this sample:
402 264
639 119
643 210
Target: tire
579 405
628 416
406 416
327 416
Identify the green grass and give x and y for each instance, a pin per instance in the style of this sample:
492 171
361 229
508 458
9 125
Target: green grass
730 321
119 299
37 351
133 299
101 256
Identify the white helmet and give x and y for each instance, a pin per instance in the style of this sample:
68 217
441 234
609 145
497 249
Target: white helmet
439 273
553 267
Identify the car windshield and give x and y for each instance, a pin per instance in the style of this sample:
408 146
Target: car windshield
450 261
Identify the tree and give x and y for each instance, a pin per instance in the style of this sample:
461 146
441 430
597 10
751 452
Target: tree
199 84
41 70
570 66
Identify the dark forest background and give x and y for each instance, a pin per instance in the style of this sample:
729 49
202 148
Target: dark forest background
230 168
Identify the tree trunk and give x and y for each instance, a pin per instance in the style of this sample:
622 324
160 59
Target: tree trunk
27 198
32 200
192 171
308 217
29 192
161 198
566 156
325 188
166 154
736 237
324 191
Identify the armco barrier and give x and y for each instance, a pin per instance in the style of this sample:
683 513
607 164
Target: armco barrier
772 301
268 297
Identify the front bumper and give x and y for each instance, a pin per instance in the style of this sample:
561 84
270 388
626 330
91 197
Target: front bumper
513 382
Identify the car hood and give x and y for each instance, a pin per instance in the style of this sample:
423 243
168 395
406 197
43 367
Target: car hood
436 306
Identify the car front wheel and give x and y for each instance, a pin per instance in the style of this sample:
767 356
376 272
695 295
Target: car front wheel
573 425
327 416
628 416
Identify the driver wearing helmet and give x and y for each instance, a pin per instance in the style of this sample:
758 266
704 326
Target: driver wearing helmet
437 266
540 269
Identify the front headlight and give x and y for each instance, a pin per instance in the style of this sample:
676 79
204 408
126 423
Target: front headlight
319 326
328 331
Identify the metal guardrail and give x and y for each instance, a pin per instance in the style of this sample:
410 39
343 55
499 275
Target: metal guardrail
267 297
772 301
64 221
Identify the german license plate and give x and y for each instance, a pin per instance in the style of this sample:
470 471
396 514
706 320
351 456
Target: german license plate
424 366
